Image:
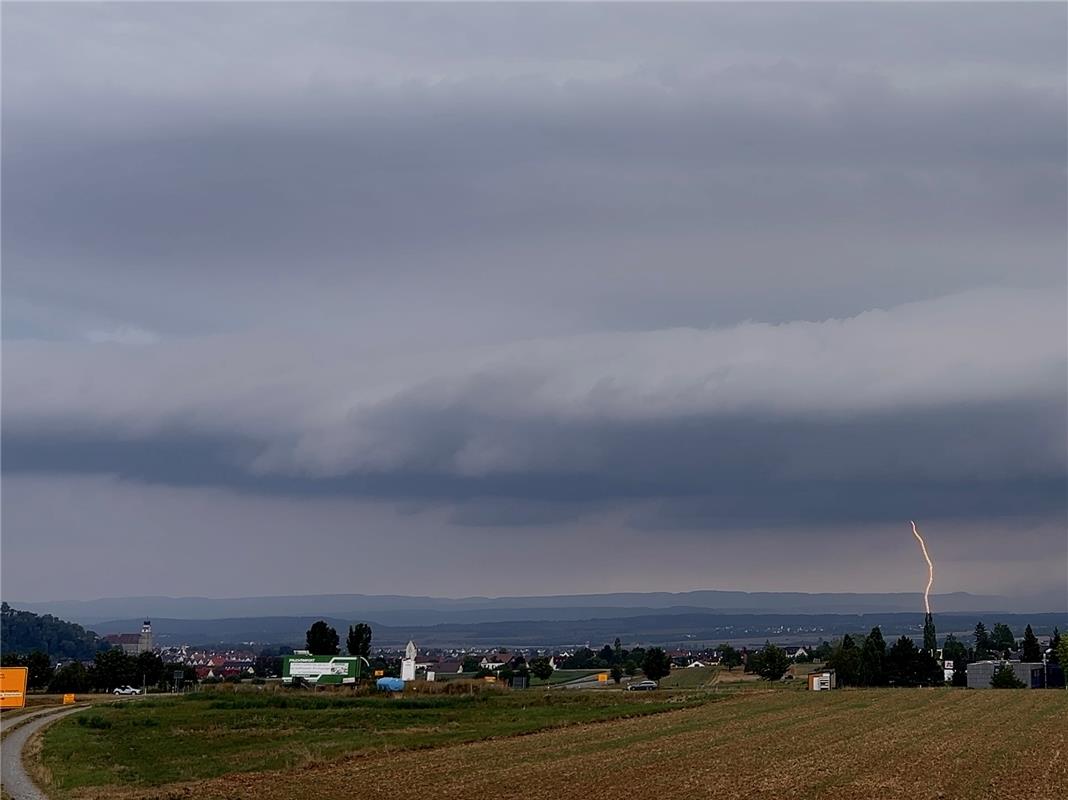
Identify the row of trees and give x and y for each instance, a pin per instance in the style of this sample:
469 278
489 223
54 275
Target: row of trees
871 663
113 668
322 640
1001 643
606 657
654 663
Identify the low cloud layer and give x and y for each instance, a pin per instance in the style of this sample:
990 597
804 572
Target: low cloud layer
963 391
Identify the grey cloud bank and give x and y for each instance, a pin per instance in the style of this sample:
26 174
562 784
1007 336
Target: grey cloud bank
709 274
324 410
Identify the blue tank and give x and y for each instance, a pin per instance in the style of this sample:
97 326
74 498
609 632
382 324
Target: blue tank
390 684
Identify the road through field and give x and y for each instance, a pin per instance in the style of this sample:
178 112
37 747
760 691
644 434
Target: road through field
924 744
9 723
15 782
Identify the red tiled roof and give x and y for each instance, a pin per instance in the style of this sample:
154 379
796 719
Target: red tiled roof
123 638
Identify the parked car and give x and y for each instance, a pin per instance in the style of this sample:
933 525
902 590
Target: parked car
126 690
641 686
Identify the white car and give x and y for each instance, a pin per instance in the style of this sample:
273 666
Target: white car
126 690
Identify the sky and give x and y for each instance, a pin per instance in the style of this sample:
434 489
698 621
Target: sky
531 299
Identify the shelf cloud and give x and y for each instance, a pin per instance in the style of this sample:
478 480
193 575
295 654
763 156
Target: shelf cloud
527 269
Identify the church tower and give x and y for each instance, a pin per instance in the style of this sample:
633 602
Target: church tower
144 641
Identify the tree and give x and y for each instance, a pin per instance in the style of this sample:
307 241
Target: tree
323 640
953 650
607 655
267 666
823 651
729 657
656 664
618 655
771 662
112 668
1005 678
1054 648
149 669
583 658
630 667
541 668
900 663
1031 650
616 673
909 666
519 666
1062 654
38 667
72 677
929 671
845 661
930 637
471 664
872 659
189 673
983 643
358 642
1004 640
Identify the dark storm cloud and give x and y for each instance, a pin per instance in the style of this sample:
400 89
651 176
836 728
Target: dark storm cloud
497 266
928 406
347 169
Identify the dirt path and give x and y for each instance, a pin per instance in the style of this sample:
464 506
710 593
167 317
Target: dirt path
15 781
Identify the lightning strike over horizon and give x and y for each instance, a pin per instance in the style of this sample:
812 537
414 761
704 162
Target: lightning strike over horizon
930 568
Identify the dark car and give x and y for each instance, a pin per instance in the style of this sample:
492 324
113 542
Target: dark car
642 686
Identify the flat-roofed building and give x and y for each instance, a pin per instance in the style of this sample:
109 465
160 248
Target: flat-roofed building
1031 674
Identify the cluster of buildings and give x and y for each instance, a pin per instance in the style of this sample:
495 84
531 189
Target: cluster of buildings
210 664
229 663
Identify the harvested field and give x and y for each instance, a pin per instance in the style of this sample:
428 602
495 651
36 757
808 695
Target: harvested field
904 743
162 740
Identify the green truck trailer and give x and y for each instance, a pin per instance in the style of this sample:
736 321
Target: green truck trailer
323 670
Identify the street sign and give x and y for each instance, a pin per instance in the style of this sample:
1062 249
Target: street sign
13 686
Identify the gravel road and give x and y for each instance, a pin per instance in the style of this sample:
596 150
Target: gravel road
16 783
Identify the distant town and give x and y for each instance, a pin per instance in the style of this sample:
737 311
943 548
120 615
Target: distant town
135 659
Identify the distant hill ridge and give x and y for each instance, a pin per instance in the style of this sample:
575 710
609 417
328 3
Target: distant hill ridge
680 628
411 610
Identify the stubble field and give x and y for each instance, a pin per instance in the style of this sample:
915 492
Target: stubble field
760 743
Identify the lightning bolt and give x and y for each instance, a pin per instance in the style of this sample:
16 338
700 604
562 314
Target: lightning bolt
930 568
